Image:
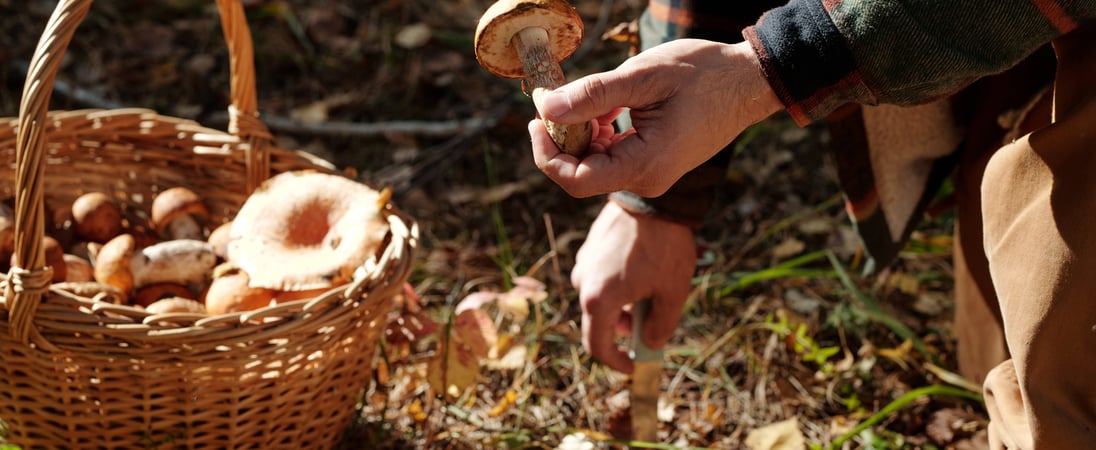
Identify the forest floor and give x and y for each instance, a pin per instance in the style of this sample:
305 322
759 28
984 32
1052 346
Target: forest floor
784 344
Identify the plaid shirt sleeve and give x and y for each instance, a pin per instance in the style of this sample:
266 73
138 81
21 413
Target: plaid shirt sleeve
821 54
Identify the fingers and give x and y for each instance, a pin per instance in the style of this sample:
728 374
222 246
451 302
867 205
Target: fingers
599 323
589 97
597 173
663 317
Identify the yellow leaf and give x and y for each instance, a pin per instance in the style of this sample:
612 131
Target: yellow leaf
416 412
904 282
900 354
508 400
453 369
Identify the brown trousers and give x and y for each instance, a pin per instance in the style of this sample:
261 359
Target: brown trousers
1038 232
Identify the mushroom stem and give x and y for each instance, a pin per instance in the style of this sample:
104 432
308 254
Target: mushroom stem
542 71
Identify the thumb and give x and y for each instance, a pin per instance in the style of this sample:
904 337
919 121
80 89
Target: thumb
587 98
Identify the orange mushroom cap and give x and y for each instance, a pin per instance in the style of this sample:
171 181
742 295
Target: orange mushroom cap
305 230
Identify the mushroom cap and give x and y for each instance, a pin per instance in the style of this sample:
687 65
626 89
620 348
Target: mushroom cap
96 217
173 203
181 305
112 263
154 292
229 292
218 238
506 18
7 235
305 230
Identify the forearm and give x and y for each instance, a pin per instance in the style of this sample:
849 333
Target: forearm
819 55
689 200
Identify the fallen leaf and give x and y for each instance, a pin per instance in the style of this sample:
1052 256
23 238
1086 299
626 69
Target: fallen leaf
416 412
475 300
475 329
789 247
514 358
778 436
413 36
900 354
904 282
453 369
508 400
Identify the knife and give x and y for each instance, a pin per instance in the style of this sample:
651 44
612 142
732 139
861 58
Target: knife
645 378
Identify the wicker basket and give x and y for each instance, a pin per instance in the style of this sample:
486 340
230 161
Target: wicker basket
77 373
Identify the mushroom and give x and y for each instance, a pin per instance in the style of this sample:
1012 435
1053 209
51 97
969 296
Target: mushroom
230 292
95 217
305 230
526 39
112 263
154 292
218 238
176 305
7 236
178 213
55 259
78 269
183 261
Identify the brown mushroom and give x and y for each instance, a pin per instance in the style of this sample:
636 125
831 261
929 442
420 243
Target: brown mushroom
112 263
95 217
154 292
78 269
179 213
184 261
230 292
527 39
306 230
176 305
55 259
7 236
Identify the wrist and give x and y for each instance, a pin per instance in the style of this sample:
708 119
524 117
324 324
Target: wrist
756 97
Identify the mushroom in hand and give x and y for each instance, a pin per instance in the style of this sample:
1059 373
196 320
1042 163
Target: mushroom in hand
526 39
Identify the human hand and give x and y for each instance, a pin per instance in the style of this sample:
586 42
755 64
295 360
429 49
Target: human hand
628 257
688 98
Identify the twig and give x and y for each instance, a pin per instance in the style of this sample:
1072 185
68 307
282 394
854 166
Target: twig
468 126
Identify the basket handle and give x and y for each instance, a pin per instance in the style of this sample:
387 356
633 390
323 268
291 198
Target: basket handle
29 278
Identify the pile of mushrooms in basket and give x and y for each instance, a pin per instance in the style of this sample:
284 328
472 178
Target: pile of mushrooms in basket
298 235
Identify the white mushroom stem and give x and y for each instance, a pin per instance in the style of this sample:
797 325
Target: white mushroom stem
183 261
542 71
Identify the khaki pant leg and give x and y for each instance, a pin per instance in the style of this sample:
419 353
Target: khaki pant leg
1039 208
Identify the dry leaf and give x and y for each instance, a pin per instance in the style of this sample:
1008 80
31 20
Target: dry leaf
515 304
475 300
778 436
475 329
413 36
904 282
789 247
514 358
508 400
453 369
